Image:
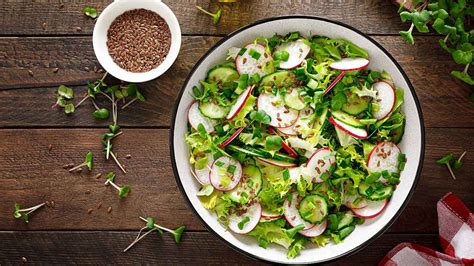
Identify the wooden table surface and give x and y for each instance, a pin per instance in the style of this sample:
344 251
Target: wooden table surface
38 36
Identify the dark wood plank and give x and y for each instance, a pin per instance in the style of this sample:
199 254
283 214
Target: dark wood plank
445 101
45 17
196 248
31 174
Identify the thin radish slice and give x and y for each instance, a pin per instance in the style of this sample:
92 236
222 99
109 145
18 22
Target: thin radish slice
267 215
195 118
278 163
202 175
245 220
350 202
298 50
385 99
231 138
384 156
291 152
359 133
319 163
246 64
292 214
349 64
235 109
281 116
373 208
316 230
301 123
220 177
334 82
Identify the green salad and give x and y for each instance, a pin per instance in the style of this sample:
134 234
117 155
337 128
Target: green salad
294 140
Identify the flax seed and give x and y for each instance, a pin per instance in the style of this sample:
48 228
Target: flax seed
128 156
99 205
30 73
89 211
50 147
52 204
109 209
139 40
97 176
24 259
55 70
69 165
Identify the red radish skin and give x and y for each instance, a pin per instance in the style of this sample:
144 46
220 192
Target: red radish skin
335 81
387 85
372 210
281 116
341 126
316 230
313 163
276 163
291 212
349 202
350 64
231 138
291 152
239 104
214 180
268 216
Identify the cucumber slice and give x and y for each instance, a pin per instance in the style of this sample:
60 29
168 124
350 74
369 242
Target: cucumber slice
346 231
294 100
347 119
223 76
355 104
249 187
279 79
247 150
213 110
363 189
346 220
320 121
313 209
381 193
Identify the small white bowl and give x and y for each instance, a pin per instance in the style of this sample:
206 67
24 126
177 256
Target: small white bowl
115 9
412 143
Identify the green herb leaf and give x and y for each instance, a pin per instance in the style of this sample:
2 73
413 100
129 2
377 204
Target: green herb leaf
123 192
446 159
114 128
89 160
407 36
463 77
69 108
178 233
242 223
101 113
17 213
292 232
150 222
462 57
110 176
215 17
281 55
273 143
90 11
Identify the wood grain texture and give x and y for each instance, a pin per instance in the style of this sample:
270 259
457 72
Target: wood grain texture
45 17
444 101
197 248
32 174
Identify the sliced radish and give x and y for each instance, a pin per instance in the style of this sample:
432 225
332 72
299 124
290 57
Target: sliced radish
219 176
349 201
349 64
248 218
334 82
373 208
291 152
231 138
278 163
281 116
384 156
195 118
246 64
319 163
359 133
301 123
298 50
385 98
292 214
316 230
267 215
202 175
241 100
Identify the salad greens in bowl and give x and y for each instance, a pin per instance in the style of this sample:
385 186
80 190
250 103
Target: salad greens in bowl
297 140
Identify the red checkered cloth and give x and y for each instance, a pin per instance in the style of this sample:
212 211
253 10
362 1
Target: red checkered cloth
456 225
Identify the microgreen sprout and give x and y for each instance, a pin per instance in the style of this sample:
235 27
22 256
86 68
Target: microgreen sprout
132 90
64 95
177 233
215 17
24 213
452 164
90 11
122 191
88 161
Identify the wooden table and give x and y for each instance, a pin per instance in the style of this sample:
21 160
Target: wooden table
38 36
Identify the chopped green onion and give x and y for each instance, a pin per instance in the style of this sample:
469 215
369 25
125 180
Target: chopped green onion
242 51
242 223
286 174
281 55
219 164
446 159
254 54
231 169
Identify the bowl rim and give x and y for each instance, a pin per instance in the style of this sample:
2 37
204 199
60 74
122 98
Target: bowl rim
261 21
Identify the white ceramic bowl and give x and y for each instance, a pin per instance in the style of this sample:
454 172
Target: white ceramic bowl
412 143
106 18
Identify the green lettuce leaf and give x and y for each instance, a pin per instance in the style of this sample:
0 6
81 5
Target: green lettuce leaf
297 246
272 232
239 119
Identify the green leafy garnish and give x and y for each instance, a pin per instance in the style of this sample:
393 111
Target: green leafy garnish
88 161
101 113
215 17
122 190
24 213
451 163
242 223
90 11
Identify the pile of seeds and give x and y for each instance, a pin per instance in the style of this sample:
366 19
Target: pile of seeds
139 40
